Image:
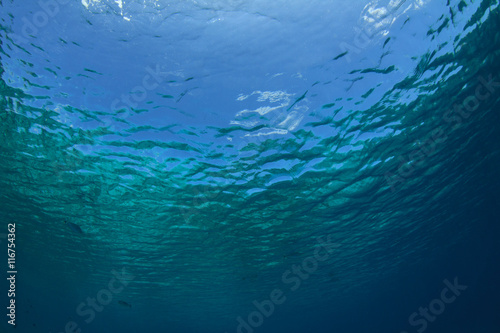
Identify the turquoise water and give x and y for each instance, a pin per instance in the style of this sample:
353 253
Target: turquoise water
251 166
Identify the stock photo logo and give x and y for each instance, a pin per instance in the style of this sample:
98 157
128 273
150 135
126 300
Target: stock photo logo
45 11
436 307
455 115
87 310
250 166
292 278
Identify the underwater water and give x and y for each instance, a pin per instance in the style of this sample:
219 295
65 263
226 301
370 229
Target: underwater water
250 166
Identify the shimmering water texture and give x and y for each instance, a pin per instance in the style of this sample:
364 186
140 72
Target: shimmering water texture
251 166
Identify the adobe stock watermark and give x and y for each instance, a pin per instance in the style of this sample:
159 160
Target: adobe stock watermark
139 93
200 198
103 297
449 294
292 277
31 26
454 116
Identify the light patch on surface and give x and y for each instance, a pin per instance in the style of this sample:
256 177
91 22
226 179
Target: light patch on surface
276 75
272 96
276 118
243 123
262 110
377 18
269 131
292 120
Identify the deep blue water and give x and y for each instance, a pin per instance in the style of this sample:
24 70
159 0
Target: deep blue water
250 166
